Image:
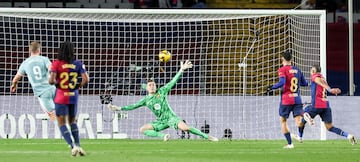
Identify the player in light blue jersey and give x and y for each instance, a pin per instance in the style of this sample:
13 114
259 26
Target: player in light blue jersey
36 69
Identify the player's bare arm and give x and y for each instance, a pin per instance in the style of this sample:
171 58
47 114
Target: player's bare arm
85 79
322 82
52 79
15 81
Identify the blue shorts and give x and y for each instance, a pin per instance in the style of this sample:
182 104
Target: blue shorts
324 113
284 110
66 109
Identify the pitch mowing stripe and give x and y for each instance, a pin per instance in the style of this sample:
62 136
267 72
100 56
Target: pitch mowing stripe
34 152
222 152
152 142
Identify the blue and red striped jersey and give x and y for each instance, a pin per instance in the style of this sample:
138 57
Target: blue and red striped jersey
67 79
318 93
293 80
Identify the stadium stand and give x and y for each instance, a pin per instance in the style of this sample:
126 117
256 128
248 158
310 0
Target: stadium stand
251 4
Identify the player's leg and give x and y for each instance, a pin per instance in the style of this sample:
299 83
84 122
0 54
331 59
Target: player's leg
47 105
309 113
153 129
326 117
73 125
284 112
61 113
297 114
184 127
75 131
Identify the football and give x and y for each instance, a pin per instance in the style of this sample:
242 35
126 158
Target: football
164 56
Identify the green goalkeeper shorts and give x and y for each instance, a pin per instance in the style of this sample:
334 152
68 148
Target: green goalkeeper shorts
160 125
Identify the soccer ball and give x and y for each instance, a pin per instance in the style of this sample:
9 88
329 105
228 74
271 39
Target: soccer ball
164 56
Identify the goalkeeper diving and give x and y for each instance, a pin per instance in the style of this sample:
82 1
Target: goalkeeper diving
156 101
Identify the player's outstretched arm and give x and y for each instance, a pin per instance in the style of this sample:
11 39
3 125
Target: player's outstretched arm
322 82
186 65
183 66
141 103
113 107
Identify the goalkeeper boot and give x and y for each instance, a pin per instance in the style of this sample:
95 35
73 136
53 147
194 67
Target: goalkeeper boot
213 139
289 146
352 139
296 137
74 151
308 119
81 151
166 137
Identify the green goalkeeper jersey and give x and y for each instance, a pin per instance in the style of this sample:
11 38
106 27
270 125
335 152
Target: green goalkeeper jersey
158 102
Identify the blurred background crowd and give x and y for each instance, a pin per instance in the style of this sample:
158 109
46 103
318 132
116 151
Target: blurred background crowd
329 5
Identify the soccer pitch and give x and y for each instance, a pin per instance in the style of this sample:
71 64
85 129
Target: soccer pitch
55 150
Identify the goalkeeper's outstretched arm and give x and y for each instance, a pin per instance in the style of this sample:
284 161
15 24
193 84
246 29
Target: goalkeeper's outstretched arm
113 107
183 67
128 107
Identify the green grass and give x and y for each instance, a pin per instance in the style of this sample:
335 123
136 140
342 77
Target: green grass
35 150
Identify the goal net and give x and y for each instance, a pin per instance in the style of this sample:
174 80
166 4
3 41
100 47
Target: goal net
236 54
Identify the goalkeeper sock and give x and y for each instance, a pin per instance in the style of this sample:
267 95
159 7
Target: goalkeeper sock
198 132
66 134
301 131
338 131
288 138
152 133
75 133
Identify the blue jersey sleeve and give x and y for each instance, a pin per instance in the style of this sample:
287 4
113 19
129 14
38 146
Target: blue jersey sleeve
303 81
82 68
279 84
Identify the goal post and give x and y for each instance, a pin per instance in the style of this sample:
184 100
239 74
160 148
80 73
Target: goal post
236 54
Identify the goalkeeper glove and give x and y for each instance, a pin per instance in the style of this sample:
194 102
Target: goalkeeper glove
113 107
186 65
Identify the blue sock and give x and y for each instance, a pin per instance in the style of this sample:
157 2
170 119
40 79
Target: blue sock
66 134
338 131
288 137
301 131
75 133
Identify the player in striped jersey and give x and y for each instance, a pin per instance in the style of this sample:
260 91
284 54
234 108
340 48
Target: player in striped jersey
64 72
320 105
36 69
291 78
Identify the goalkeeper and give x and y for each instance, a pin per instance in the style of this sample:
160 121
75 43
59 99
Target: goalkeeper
156 101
